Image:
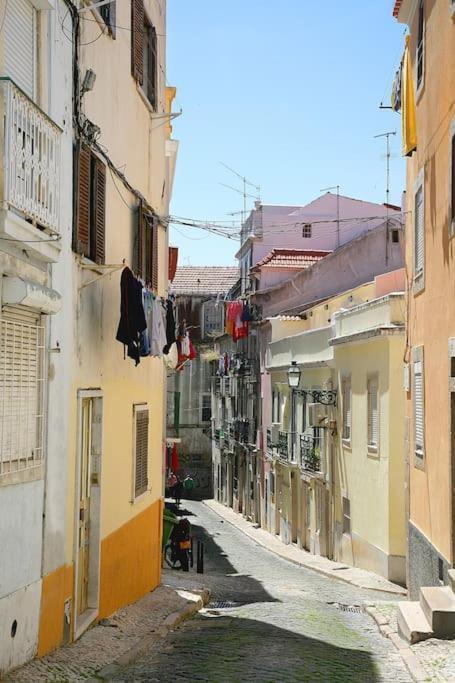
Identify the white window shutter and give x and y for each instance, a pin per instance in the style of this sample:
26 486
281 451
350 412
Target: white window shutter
419 233
21 389
373 417
20 36
418 409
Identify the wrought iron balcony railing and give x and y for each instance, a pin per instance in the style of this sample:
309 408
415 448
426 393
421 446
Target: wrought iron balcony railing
283 445
31 182
310 453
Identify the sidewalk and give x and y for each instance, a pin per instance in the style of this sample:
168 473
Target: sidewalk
336 570
117 641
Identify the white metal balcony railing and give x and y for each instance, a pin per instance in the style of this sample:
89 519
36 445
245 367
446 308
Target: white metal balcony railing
31 158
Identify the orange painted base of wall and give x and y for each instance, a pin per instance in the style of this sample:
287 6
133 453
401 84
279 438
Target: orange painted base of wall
56 588
131 560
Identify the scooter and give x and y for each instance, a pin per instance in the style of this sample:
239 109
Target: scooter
178 553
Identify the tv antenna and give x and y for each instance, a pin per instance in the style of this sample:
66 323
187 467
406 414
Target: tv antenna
246 183
387 190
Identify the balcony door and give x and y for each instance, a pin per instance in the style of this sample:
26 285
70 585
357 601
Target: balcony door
21 41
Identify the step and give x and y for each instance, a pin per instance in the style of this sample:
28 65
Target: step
412 623
438 604
451 574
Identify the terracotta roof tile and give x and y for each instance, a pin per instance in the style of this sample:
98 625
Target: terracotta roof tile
295 259
204 279
396 8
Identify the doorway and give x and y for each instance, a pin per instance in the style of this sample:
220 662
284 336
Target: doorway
87 513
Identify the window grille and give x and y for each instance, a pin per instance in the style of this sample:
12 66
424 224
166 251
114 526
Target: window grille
346 389
306 230
141 450
373 417
419 233
418 409
21 389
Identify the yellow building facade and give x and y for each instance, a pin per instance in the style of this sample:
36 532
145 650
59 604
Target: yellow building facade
431 313
336 482
124 163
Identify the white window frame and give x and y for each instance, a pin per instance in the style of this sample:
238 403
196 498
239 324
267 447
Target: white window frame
346 390
418 371
419 268
138 408
372 381
419 86
209 396
451 169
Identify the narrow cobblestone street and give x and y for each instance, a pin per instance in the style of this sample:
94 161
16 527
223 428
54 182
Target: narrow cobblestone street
287 623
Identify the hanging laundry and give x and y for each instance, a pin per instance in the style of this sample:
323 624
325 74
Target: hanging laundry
147 302
171 358
132 318
170 326
158 339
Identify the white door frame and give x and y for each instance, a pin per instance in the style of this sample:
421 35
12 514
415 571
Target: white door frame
83 621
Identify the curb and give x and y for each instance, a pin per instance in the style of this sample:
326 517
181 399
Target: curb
412 663
196 600
332 574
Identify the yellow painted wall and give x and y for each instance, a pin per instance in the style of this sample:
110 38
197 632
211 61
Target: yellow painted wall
56 588
131 560
432 311
374 482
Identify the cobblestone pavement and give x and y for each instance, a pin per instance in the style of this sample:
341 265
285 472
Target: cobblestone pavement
436 656
288 623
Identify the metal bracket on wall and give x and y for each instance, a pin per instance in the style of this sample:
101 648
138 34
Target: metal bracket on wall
108 268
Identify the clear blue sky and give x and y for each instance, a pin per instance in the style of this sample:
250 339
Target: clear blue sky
285 92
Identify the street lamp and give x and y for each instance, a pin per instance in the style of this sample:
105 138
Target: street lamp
326 397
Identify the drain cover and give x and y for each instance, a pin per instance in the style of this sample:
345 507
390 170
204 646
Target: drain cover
222 604
350 608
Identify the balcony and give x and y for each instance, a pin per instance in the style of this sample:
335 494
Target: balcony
310 453
31 173
283 445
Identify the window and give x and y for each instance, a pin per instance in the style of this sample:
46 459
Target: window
141 449
372 411
276 406
346 391
306 230
452 178
145 256
420 57
89 238
395 236
419 417
20 47
108 15
21 389
206 408
212 317
150 63
419 233
346 516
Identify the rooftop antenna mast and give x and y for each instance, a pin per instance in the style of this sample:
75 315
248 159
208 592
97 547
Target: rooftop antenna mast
387 190
244 193
337 188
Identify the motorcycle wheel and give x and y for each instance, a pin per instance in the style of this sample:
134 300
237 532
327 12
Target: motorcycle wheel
170 558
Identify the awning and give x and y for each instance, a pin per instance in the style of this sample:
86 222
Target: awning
16 291
408 111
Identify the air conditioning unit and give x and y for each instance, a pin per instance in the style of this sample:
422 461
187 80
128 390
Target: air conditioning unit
317 415
275 427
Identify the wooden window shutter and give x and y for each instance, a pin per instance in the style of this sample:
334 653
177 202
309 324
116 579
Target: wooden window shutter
82 237
137 40
100 211
155 255
139 242
141 450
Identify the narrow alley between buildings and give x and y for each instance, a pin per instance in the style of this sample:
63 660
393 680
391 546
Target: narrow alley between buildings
268 620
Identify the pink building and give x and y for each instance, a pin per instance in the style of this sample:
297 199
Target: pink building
322 225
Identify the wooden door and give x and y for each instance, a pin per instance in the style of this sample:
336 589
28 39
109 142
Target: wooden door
84 506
